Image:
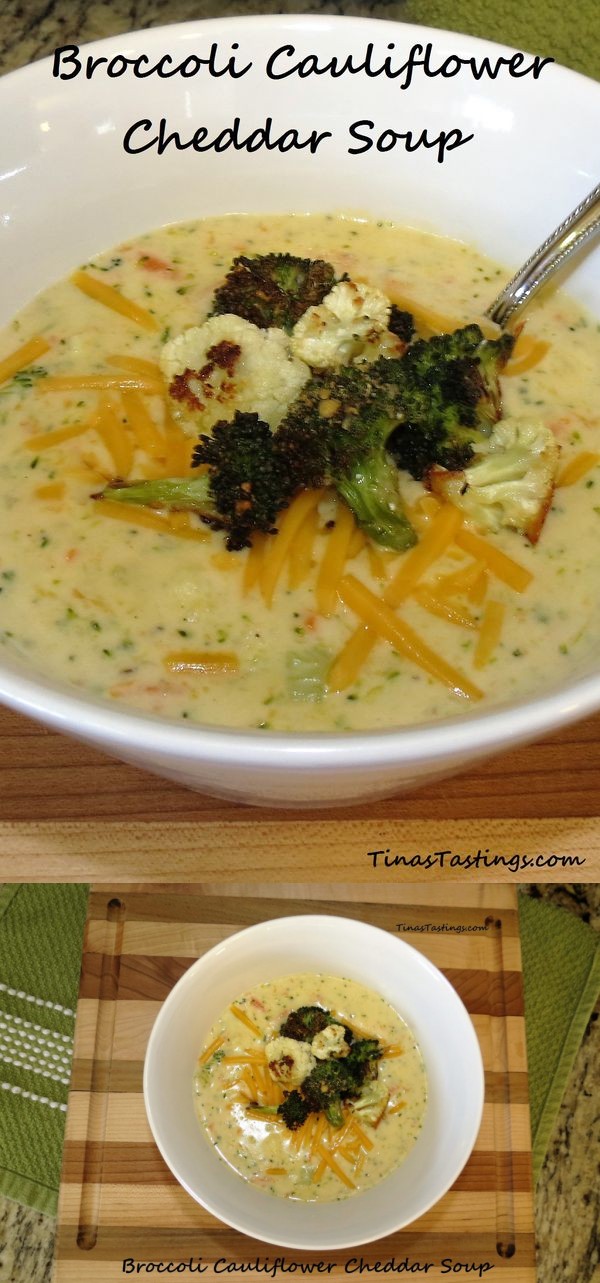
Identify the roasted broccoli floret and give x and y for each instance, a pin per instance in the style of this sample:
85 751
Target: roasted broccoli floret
244 486
402 324
336 433
449 390
248 478
510 481
334 1081
273 289
327 1086
482 377
362 1056
303 1023
294 1110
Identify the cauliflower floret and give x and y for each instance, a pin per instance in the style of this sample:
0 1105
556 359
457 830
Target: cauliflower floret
330 1043
372 1102
511 481
228 364
289 1061
351 324
380 343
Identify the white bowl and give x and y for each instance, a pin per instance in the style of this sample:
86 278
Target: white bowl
416 990
534 156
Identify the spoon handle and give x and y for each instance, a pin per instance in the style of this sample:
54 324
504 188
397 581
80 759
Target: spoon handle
579 229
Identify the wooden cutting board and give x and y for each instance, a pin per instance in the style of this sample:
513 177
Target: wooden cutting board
119 1202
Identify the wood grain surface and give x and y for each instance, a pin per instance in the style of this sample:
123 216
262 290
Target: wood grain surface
67 812
250 847
118 1200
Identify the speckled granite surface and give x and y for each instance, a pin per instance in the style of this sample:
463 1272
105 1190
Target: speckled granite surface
33 29
26 1244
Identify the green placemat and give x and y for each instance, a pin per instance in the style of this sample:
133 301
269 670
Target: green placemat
561 970
41 930
568 33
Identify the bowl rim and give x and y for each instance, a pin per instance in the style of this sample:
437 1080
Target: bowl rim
313 923
480 732
484 731
292 20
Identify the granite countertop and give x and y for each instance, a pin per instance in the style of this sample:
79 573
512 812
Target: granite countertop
567 1198
33 29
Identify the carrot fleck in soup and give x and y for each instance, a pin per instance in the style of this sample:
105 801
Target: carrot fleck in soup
280 473
311 1087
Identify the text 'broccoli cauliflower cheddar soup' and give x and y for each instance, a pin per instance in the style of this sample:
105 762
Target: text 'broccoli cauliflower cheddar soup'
279 473
311 1087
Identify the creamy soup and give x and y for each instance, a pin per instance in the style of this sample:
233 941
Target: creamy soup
240 1083
151 610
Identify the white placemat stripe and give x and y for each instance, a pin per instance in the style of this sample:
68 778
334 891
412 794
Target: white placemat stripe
26 1067
35 1051
33 1097
38 1002
30 1024
42 1044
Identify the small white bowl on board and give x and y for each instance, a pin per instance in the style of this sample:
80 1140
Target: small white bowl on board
420 994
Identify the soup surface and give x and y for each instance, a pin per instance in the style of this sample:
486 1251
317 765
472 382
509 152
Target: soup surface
316 1161
151 610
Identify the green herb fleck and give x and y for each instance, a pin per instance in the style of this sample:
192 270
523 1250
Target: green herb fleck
26 378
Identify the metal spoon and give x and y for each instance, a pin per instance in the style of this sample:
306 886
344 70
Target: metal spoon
581 228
